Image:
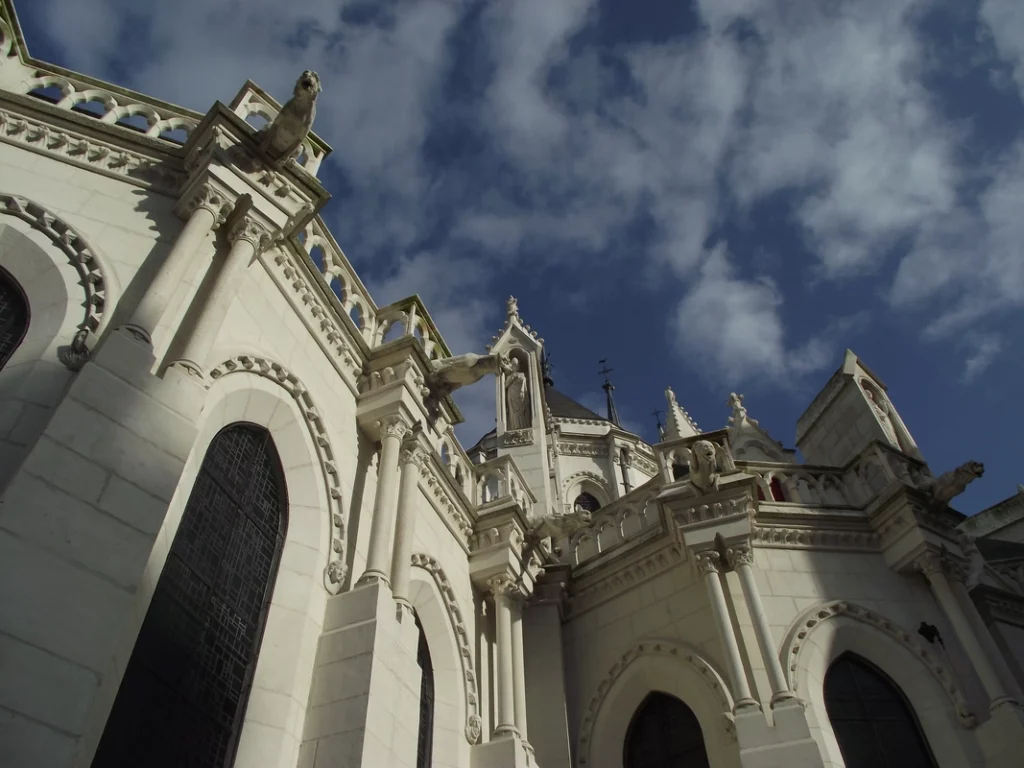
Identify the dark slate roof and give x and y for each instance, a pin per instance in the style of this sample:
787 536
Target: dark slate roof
564 407
995 550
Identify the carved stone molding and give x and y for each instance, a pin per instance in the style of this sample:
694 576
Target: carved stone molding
621 579
805 625
593 477
396 426
462 638
76 148
580 448
685 655
441 497
518 437
815 538
336 569
716 511
738 556
211 199
503 584
78 253
934 562
645 464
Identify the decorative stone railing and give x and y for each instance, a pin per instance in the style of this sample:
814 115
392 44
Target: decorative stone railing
498 479
803 484
409 317
129 111
625 519
456 461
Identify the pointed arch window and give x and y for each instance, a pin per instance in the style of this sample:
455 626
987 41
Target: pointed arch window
664 733
874 724
183 697
13 316
425 739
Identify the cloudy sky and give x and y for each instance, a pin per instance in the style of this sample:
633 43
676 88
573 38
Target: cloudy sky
714 194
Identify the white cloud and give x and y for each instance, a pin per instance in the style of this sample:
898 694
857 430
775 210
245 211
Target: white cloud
984 352
1005 20
733 326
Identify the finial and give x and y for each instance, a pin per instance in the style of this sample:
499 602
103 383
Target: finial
679 422
657 417
613 413
513 306
739 412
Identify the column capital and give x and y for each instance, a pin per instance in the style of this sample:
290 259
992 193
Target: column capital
248 229
709 562
209 198
742 554
933 562
395 425
413 453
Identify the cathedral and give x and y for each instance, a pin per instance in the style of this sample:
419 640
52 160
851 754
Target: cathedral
237 528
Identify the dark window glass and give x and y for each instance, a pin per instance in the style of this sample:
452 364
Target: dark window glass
873 723
183 697
664 733
587 502
13 316
425 744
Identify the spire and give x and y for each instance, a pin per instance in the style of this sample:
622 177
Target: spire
613 414
661 427
679 422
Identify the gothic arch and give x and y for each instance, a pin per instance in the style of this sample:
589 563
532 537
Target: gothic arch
96 278
284 668
336 568
823 633
429 607
669 667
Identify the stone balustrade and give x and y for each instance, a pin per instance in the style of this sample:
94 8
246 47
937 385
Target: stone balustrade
624 520
500 478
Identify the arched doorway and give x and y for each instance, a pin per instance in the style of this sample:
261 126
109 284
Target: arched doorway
872 720
13 316
586 502
664 733
183 696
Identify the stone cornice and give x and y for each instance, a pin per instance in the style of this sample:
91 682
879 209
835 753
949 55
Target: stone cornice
999 604
67 139
629 572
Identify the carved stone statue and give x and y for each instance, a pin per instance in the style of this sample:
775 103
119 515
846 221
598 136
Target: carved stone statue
452 373
517 398
947 486
554 527
708 462
281 141
881 409
975 560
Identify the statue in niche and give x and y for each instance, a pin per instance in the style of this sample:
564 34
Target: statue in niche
881 409
517 398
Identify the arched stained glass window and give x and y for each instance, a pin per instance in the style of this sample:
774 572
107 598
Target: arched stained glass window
587 502
425 743
183 697
13 316
873 722
664 733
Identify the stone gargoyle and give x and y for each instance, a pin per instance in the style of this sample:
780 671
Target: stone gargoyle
281 141
451 373
947 486
555 527
708 462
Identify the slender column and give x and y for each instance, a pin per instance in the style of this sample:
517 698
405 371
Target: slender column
405 524
518 669
248 237
743 560
934 566
708 563
205 212
378 560
984 635
502 588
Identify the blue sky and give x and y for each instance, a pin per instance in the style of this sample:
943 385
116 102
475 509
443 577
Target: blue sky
716 195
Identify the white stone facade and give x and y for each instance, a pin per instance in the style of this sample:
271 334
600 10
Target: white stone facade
176 283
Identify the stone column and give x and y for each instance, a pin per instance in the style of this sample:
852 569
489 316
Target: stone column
205 212
378 560
935 566
411 462
518 669
709 565
247 237
503 587
743 561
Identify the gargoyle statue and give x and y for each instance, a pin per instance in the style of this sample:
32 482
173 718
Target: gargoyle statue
557 527
281 141
947 486
708 462
975 560
452 373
